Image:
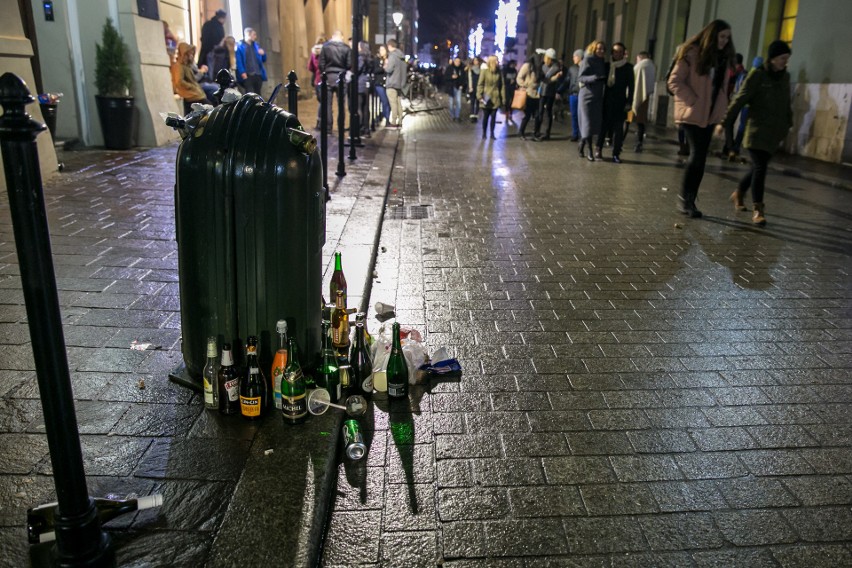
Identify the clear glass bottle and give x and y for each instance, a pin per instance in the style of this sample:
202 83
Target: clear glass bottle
211 376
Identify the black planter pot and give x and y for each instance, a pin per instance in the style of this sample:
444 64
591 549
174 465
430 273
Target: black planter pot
117 121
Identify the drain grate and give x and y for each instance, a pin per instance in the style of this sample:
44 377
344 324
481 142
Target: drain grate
411 212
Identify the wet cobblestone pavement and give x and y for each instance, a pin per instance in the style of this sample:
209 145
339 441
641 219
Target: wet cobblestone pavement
111 217
639 389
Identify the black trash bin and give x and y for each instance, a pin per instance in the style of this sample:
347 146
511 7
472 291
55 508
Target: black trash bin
48 111
250 227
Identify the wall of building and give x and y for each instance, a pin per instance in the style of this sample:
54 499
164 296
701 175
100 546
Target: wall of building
16 53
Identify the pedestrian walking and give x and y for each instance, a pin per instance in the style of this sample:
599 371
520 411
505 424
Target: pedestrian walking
489 93
251 73
510 77
334 59
551 74
474 68
365 68
528 79
734 151
766 92
699 81
645 74
454 84
618 98
593 77
397 76
316 74
573 91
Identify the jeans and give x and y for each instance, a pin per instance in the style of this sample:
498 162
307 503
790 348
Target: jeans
699 141
738 140
382 93
455 103
474 104
573 104
756 177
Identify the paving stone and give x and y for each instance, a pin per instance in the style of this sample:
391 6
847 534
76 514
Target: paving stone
711 465
681 531
826 524
525 538
618 499
553 500
754 527
353 538
409 549
574 470
813 490
464 540
756 493
598 535
812 555
752 557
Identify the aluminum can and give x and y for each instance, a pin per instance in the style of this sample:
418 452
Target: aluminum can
354 440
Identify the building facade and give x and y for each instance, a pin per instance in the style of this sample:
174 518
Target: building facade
816 30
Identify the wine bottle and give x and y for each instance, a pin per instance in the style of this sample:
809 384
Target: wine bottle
329 377
360 362
279 363
253 398
211 375
229 383
338 280
397 368
41 520
294 402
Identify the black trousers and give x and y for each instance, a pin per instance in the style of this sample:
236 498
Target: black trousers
530 112
545 110
489 114
756 176
612 124
253 84
699 141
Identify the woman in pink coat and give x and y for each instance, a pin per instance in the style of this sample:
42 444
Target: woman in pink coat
699 82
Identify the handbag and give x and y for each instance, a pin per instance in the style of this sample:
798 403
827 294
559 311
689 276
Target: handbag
519 100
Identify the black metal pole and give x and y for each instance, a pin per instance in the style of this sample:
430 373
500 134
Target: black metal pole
341 123
354 100
324 132
292 93
79 538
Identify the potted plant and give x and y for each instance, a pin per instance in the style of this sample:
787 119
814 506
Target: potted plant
113 81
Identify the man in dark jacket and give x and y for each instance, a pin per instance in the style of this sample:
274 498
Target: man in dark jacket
212 33
334 59
454 83
397 76
618 98
510 83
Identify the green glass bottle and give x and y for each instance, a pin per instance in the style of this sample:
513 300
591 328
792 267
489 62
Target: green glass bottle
294 402
329 377
397 368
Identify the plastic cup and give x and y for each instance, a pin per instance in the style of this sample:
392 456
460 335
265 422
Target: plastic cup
380 381
319 402
382 308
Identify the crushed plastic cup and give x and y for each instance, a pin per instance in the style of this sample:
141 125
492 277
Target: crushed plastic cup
319 402
382 308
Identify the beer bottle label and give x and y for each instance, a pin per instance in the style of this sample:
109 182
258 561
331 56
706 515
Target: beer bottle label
250 405
233 388
397 390
208 392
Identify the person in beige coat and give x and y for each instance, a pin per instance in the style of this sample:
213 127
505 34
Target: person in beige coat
528 79
699 82
489 93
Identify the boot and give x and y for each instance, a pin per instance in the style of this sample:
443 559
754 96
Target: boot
582 148
737 198
687 206
757 217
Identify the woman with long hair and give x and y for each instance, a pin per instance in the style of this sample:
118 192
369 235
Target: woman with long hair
380 76
489 93
183 78
528 79
365 67
699 82
474 68
592 77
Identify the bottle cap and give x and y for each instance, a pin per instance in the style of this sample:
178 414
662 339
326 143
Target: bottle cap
281 326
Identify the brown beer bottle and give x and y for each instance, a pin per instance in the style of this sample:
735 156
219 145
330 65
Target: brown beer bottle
229 383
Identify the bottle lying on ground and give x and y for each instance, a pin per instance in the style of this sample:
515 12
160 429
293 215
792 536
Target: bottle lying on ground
41 520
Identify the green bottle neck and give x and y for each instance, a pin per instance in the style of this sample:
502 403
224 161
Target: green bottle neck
338 262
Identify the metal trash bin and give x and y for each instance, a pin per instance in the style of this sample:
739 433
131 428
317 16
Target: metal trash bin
250 227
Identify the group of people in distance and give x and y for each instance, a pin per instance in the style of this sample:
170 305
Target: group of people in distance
710 87
194 71
387 69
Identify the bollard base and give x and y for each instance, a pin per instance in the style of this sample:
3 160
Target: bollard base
46 556
180 375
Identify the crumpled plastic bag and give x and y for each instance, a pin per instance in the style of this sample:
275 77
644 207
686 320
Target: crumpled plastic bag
441 364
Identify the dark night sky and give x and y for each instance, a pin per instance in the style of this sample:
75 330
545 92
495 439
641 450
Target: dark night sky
432 13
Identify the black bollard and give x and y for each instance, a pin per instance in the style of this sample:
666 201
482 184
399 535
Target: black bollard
79 538
292 93
224 79
324 132
341 122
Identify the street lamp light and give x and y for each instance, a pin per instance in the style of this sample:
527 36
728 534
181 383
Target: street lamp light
397 20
